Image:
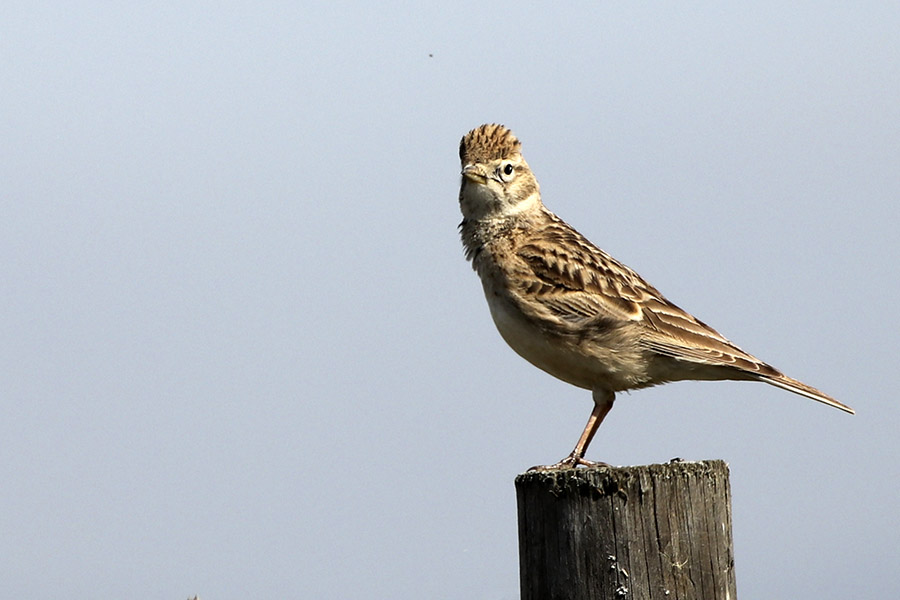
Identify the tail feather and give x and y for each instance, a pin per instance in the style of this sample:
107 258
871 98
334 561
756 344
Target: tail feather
798 387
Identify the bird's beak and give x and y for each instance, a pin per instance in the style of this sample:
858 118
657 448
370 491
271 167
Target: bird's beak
474 173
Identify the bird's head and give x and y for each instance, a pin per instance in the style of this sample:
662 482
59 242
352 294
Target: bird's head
496 180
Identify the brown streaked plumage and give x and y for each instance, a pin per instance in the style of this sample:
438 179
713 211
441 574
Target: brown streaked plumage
571 309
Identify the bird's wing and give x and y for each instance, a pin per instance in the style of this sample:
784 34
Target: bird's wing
580 284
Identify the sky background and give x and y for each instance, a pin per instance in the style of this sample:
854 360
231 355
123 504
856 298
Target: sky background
243 355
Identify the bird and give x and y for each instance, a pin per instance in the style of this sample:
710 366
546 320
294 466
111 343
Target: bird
571 309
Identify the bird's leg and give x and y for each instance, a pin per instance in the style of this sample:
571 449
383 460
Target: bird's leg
603 403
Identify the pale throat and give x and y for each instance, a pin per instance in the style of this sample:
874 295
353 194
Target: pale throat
529 204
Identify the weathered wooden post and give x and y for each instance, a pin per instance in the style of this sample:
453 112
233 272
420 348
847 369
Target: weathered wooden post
647 532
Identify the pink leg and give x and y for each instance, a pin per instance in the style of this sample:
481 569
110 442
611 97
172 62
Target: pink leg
603 403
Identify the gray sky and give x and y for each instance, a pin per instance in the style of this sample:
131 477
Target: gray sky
244 356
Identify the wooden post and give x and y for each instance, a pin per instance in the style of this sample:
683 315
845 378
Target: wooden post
647 532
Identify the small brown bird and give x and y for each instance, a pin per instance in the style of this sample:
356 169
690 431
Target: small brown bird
568 307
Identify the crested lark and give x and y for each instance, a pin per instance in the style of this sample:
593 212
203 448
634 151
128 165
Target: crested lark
571 309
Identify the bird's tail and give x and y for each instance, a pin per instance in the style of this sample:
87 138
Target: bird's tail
798 387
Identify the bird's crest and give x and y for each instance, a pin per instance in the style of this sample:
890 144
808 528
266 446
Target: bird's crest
488 142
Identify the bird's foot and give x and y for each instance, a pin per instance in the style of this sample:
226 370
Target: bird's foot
570 462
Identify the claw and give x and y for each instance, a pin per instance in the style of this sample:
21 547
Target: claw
570 462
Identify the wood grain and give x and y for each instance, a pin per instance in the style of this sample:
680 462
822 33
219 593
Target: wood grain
646 532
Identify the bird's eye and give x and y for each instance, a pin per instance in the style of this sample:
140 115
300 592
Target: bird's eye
506 171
